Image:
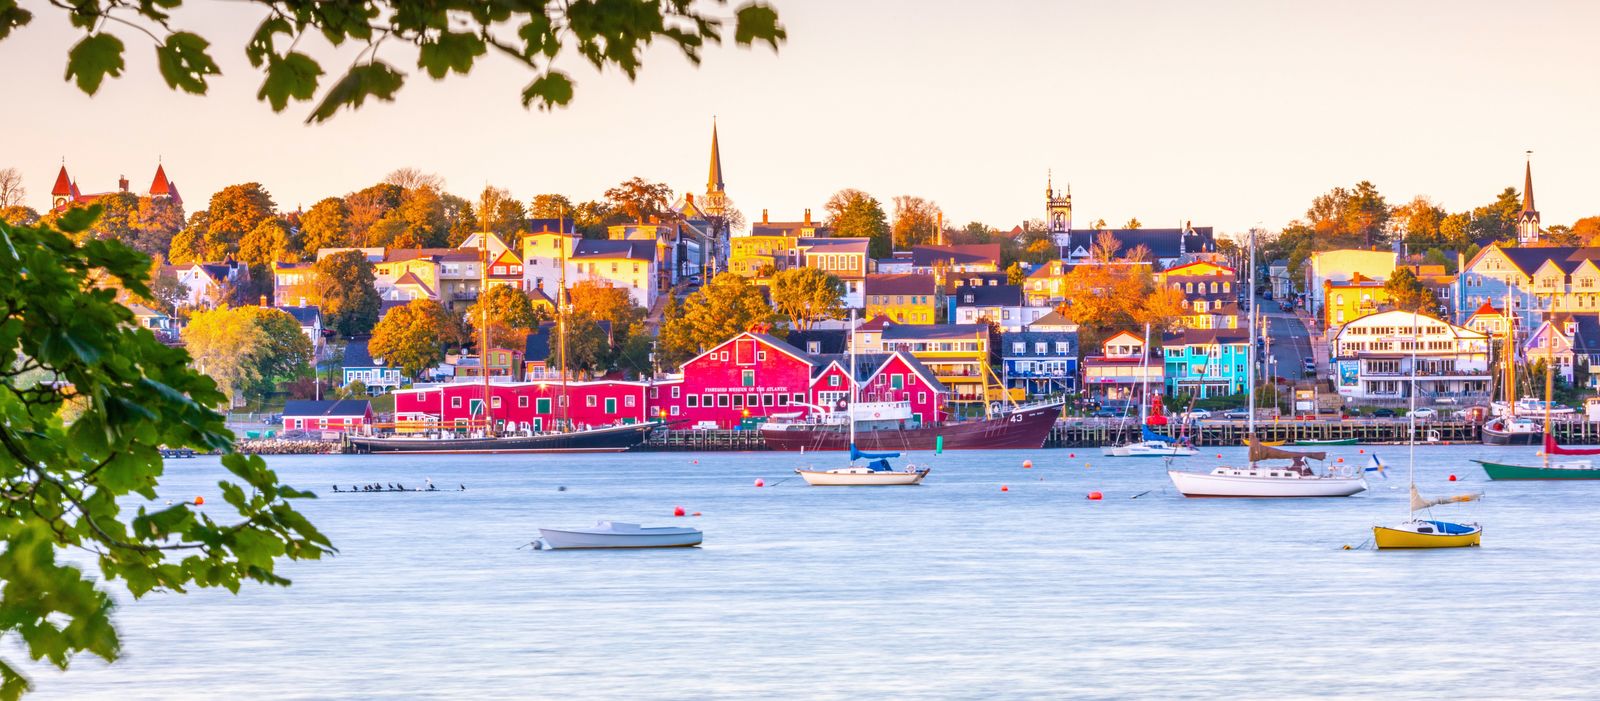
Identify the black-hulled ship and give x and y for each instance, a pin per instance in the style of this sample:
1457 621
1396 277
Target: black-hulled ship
609 439
1021 427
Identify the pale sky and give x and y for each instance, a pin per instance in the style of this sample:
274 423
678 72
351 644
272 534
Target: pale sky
1223 113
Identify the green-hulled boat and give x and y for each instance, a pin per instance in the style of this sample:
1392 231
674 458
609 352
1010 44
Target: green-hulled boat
1330 441
1577 470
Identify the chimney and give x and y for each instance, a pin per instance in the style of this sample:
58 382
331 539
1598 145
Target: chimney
808 216
302 301
122 183
688 197
263 300
763 215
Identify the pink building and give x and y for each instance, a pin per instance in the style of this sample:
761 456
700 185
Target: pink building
524 405
326 415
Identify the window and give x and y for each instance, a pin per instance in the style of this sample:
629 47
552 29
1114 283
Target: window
1039 347
455 402
767 400
494 402
783 399
522 402
747 378
897 381
1019 348
1063 348
542 406
675 410
755 399
655 393
799 397
591 401
761 355
675 390
693 400
922 397
628 401
833 381
722 400
738 401
705 400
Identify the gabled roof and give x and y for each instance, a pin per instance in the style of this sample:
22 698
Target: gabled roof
828 340
612 249
1206 337
915 365
767 339
1054 318
829 245
989 296
972 254
1131 335
327 407
160 185
933 331
410 278
306 316
141 311
1177 269
536 347
1487 308
1007 338
63 184
901 284
1163 243
877 323
357 355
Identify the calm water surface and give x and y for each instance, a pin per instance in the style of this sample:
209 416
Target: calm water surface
951 590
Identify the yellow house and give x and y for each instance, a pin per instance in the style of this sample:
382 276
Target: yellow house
1047 284
1199 268
627 264
1344 302
420 273
903 299
748 255
1340 266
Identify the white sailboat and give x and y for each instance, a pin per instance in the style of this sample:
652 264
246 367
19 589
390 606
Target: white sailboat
877 471
1151 444
1255 480
1416 532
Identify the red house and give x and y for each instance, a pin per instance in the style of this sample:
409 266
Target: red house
536 406
328 414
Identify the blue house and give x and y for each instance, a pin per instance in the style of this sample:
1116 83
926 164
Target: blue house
375 374
1040 363
1207 362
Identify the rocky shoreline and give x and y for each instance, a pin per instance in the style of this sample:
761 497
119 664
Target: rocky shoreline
287 446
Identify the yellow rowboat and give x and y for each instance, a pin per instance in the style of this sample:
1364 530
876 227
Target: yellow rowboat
1422 534
1274 444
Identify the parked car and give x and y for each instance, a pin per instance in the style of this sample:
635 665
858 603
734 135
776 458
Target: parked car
1425 413
1383 413
1236 414
1105 414
1196 414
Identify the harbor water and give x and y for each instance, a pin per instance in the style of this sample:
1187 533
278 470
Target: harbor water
955 589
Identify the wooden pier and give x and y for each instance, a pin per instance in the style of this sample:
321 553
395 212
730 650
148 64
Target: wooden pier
1091 433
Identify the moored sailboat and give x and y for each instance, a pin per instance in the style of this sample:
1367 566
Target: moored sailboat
1563 470
1150 443
877 471
1415 533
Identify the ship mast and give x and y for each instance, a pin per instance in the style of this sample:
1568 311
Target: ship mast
483 315
561 321
1510 358
1549 384
1251 376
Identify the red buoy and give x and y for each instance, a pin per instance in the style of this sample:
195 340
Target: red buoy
1341 459
1363 451
1095 496
1452 478
677 511
1072 455
760 482
1027 464
1219 456
199 501
1004 488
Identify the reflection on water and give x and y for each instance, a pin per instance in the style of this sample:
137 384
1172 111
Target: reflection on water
953 589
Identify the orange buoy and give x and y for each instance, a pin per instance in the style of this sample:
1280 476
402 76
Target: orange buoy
760 482
1095 496
199 501
1027 464
677 511
1004 488
1452 478
1341 459
697 513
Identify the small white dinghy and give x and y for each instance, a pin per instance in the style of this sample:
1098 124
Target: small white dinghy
613 534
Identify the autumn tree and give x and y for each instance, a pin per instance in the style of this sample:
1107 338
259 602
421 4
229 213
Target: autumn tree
1163 308
266 244
222 342
856 214
604 302
1586 230
550 206
807 295
916 222
1105 248
639 199
346 292
1420 220
19 215
118 213
325 225
412 179
725 307
1105 299
1133 223
1016 275
415 337
368 206
1407 293
509 316
284 351
234 211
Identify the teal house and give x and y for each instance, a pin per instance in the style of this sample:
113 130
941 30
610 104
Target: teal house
1207 362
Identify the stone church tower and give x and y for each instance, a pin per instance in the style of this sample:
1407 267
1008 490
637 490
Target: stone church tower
1058 211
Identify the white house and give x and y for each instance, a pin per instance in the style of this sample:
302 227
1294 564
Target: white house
1372 358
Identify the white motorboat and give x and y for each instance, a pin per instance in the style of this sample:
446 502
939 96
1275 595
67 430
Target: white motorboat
875 473
1149 449
614 534
1256 480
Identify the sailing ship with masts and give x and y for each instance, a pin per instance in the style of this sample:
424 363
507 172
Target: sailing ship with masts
1150 443
488 434
1507 426
1547 469
1259 477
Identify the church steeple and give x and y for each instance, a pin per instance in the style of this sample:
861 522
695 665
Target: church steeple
1528 219
714 182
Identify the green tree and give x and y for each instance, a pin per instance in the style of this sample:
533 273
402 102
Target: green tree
446 40
347 293
499 212
73 350
807 295
119 212
856 214
414 337
1407 293
588 347
725 307
639 199
916 222
156 222
284 353
325 225
1561 235
510 316
973 233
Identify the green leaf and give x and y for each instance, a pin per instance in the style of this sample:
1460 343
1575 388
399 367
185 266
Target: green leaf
92 59
376 79
12 16
184 62
295 75
261 44
79 219
551 90
758 21
537 37
452 51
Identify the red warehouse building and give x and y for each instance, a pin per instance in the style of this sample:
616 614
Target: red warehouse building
525 405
